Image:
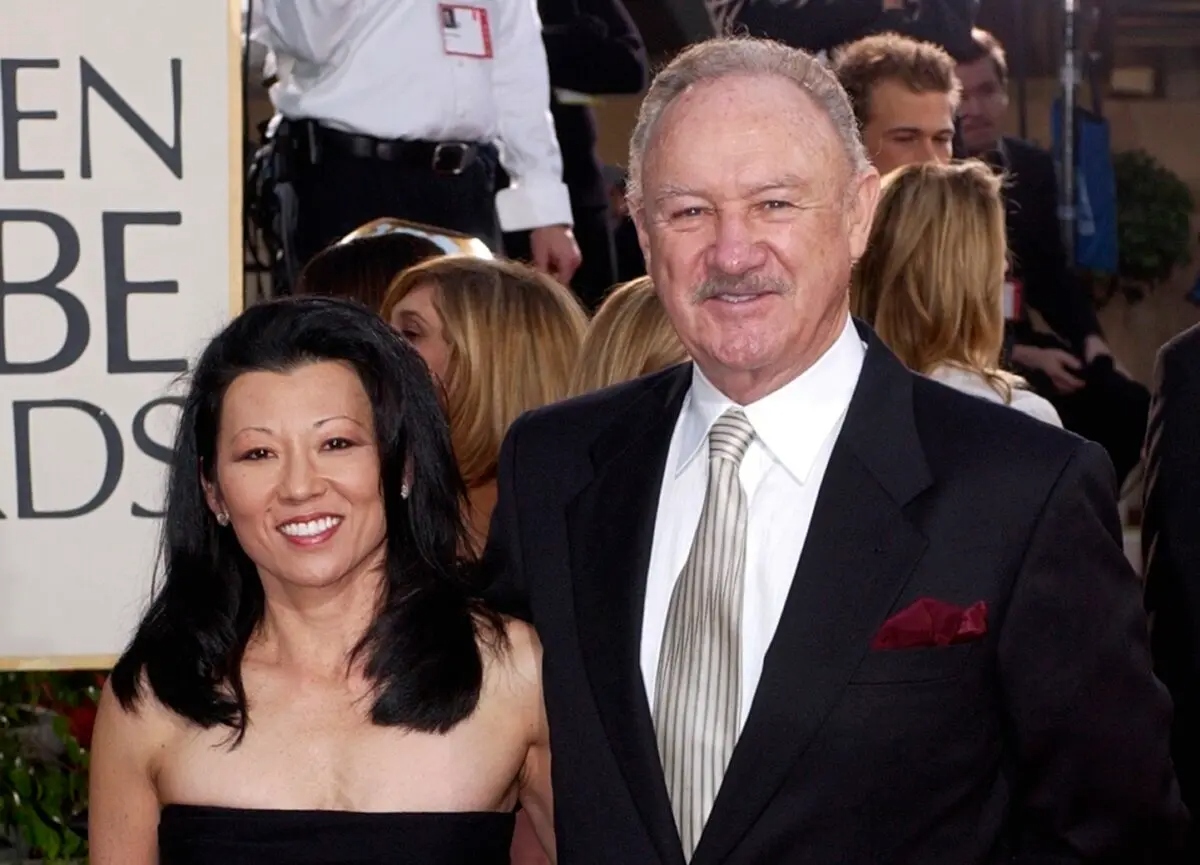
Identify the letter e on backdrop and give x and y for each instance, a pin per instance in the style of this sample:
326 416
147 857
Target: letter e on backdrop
120 256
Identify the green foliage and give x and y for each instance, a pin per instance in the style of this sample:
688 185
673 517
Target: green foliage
43 778
1154 208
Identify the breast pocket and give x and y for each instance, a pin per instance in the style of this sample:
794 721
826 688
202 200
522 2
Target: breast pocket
899 666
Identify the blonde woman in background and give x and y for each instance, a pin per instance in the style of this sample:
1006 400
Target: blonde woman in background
502 339
931 281
629 336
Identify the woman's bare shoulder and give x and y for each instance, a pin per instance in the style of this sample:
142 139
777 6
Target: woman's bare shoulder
138 729
515 661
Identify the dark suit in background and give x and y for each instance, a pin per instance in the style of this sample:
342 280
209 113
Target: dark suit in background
593 47
1045 741
825 25
1171 550
1111 409
1035 241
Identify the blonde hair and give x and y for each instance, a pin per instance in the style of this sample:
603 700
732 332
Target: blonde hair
931 281
514 336
630 336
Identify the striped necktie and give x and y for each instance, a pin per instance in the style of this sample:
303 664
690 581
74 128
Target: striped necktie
697 695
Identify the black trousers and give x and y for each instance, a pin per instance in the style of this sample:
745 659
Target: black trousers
598 269
338 193
1110 409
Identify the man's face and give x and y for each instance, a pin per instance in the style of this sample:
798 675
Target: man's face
750 219
907 127
984 103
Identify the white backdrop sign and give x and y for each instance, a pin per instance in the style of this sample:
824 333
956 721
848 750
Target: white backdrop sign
120 157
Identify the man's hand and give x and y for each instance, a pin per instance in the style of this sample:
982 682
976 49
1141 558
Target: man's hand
555 251
1059 365
1095 347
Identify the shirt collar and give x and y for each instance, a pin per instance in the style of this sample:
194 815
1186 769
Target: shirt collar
819 396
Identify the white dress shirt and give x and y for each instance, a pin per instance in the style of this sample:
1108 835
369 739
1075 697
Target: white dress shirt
1024 401
378 68
795 430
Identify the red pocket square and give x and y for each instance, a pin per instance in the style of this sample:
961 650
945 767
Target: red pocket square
930 622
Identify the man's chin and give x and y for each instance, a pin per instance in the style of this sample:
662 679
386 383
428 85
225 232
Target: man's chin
742 357
980 142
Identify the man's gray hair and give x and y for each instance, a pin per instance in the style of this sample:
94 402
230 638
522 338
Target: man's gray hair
728 57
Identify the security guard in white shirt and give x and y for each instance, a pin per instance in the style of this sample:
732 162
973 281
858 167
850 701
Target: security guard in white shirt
401 108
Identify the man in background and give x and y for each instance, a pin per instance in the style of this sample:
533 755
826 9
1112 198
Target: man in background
1171 553
403 108
1073 367
904 94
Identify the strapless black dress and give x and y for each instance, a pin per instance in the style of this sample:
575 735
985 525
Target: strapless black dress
201 835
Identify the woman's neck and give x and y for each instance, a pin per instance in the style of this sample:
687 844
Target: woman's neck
314 630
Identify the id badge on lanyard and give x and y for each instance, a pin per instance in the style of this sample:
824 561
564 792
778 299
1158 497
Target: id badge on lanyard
466 31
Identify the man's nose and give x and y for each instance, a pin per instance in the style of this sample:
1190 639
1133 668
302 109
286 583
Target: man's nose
929 151
736 248
969 106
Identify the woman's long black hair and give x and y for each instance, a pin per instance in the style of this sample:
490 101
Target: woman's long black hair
421 650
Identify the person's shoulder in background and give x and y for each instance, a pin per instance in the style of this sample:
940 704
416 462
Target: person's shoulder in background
988 444
1183 348
1021 399
1025 157
1036 406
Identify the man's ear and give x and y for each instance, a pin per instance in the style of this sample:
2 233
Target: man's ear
861 198
637 212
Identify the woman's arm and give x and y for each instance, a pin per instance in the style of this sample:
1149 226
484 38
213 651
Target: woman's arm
123 803
535 795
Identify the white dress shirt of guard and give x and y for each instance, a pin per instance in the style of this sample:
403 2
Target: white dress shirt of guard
795 430
379 68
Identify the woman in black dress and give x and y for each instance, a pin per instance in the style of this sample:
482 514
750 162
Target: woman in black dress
315 680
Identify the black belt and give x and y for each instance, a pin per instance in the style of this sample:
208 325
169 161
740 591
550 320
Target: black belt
440 157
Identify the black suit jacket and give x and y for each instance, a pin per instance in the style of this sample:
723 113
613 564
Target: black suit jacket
1171 547
818 26
1044 742
1039 258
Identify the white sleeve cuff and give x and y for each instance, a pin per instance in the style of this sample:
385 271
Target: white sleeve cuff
533 202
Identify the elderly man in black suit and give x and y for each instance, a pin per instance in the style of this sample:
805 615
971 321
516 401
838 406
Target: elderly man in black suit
798 604
1171 551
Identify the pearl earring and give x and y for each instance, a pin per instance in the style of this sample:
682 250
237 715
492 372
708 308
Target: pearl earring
222 519
404 491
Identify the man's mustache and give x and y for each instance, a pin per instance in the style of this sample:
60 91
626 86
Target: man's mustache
747 285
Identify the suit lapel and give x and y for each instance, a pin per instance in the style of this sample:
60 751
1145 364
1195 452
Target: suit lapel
611 526
858 555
